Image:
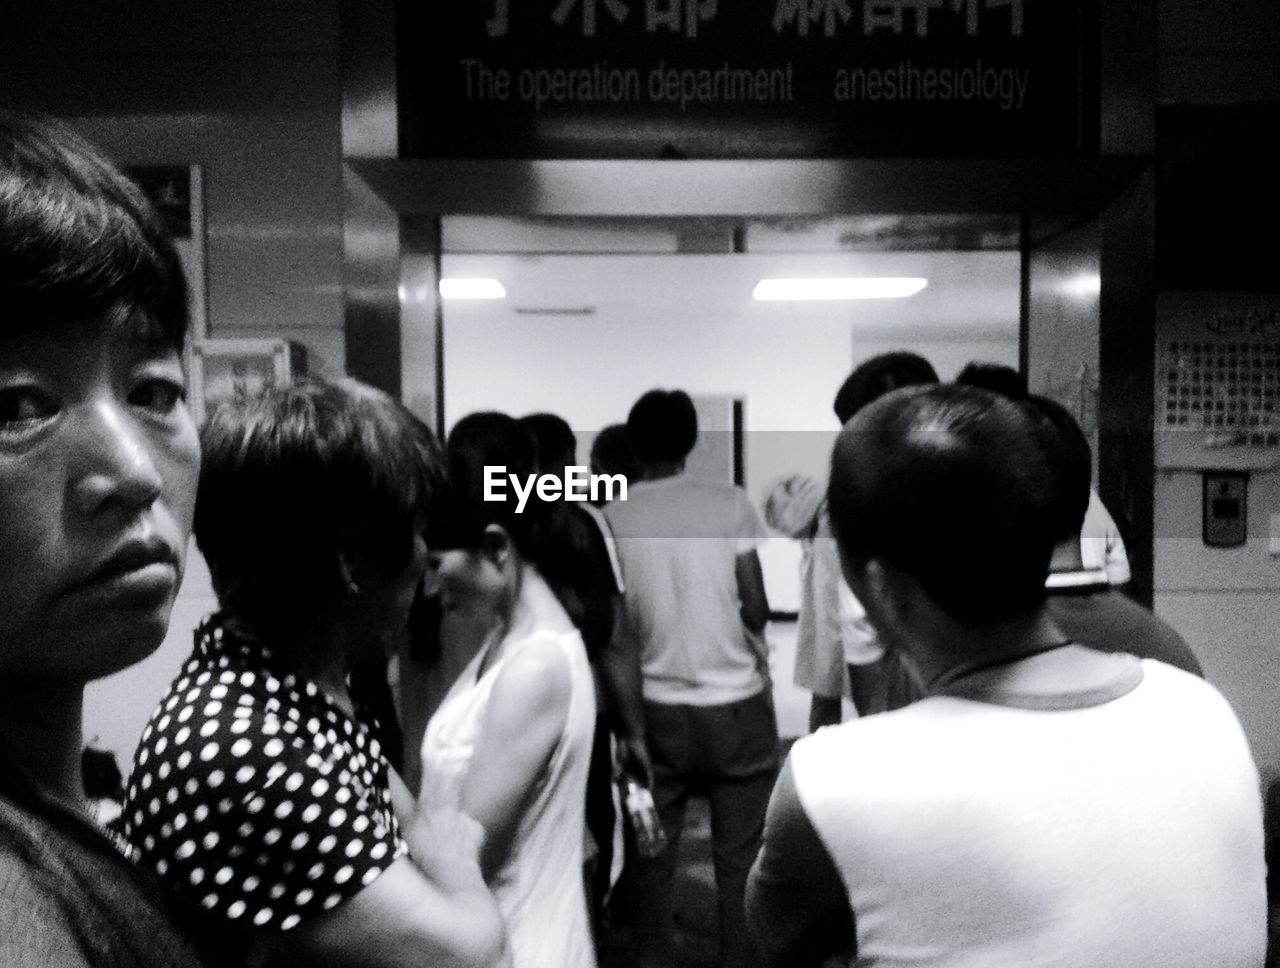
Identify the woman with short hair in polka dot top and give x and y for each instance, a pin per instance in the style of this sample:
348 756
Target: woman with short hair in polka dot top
259 793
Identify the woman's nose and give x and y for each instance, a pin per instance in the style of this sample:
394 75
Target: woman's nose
119 466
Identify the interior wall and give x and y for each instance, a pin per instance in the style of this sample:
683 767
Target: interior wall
1225 52
672 327
1223 601
250 92
419 337
785 361
1062 325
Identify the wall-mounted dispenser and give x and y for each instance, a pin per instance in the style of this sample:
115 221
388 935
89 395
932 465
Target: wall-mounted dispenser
1226 510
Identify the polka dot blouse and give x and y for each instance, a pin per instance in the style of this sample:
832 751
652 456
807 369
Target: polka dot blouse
254 796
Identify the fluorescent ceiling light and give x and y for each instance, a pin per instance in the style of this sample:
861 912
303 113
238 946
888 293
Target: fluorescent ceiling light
1085 285
462 288
848 287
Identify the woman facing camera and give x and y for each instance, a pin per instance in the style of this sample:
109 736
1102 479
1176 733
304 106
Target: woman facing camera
98 467
260 794
511 742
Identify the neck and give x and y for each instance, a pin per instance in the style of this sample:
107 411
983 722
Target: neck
956 650
661 470
318 650
40 732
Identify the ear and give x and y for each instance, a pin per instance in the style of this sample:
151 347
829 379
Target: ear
496 545
893 591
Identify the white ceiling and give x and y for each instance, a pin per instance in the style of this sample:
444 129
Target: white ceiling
970 294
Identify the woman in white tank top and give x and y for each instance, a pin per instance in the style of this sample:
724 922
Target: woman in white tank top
511 742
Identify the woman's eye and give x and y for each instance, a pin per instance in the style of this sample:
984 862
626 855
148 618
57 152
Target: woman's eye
159 395
20 406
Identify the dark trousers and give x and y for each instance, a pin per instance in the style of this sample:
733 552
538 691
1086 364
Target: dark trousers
728 753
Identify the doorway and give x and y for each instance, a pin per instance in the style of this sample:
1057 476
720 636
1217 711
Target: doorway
619 276
595 311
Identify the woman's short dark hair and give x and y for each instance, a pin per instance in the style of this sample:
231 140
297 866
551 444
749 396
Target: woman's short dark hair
294 478
949 483
663 426
873 378
78 239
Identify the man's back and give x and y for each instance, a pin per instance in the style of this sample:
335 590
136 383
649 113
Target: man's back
1120 827
679 539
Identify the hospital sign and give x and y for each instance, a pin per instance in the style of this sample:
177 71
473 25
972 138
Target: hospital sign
743 78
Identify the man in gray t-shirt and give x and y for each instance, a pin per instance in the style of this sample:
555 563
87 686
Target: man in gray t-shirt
695 612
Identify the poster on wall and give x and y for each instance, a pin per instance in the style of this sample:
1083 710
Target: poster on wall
749 78
1217 381
236 370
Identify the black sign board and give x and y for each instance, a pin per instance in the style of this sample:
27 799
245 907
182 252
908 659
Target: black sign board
743 78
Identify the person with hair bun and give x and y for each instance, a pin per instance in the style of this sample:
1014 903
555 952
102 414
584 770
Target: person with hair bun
1098 557
1083 602
1089 561
510 744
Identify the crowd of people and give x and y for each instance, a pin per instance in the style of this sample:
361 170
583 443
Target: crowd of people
1038 773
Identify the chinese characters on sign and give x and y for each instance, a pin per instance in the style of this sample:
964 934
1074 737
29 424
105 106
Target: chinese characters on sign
684 16
561 13
965 77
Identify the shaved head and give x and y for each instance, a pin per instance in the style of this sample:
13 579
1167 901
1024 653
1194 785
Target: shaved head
951 485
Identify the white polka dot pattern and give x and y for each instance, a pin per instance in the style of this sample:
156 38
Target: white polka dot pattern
260 787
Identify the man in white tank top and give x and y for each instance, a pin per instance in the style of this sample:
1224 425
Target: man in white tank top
1045 804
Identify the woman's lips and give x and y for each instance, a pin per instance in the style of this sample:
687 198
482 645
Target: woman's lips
136 568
